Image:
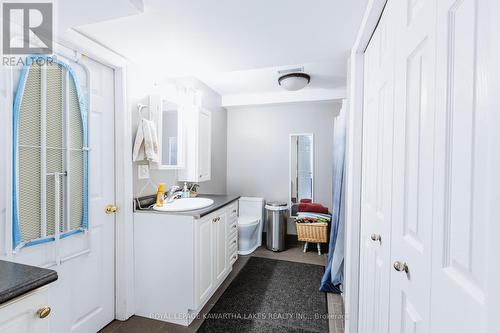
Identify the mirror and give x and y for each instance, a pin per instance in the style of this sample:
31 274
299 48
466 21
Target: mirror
169 131
301 170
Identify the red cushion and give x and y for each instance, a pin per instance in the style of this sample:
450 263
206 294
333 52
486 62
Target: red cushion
313 208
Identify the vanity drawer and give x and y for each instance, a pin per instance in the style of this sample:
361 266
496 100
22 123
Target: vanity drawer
233 243
233 258
233 210
233 229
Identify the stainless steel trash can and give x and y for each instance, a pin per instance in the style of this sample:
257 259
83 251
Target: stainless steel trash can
276 220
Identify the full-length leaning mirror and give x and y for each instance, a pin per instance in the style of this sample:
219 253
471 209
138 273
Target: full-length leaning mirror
301 170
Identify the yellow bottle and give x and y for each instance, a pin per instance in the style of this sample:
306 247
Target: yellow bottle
160 195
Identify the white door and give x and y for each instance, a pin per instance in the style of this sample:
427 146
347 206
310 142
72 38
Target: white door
413 165
82 299
377 174
465 271
445 179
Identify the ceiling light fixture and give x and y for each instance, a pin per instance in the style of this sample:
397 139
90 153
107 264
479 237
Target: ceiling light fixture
294 81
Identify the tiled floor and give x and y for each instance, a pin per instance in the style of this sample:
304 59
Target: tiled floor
138 324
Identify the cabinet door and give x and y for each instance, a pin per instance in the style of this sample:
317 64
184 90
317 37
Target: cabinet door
220 247
20 315
204 259
204 145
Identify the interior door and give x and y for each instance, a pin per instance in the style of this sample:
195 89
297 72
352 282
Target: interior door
377 174
413 161
82 299
445 180
465 276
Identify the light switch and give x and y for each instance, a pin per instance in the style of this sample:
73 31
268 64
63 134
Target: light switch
143 171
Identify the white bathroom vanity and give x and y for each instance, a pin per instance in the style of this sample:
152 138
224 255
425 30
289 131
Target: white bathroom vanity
181 259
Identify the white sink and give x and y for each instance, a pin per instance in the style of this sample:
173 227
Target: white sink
185 204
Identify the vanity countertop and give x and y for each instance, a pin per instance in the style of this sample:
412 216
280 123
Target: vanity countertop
18 279
220 200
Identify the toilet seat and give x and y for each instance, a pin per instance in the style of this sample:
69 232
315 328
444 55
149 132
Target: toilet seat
247 220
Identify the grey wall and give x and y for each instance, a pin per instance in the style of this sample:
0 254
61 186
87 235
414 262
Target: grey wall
141 85
258 149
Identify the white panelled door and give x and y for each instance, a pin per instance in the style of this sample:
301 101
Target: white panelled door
413 165
82 299
431 185
465 253
377 174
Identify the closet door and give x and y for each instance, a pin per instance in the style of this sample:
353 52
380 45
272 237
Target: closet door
465 274
377 174
413 165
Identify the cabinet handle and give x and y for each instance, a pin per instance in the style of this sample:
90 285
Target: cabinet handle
234 211
234 242
376 238
401 266
43 312
234 226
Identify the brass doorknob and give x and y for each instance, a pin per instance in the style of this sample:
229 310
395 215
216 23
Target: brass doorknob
401 266
43 312
376 237
110 209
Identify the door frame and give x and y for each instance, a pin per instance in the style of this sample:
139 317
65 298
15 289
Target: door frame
353 168
123 237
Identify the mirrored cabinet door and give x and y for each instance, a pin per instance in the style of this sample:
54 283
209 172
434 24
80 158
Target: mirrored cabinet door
169 119
169 134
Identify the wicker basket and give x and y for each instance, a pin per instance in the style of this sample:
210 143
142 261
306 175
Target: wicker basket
312 232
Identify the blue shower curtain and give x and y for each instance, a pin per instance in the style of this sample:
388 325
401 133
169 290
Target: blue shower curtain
334 270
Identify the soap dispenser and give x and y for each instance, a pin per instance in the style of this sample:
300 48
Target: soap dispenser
160 195
185 191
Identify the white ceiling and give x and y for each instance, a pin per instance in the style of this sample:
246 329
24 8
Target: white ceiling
72 13
235 46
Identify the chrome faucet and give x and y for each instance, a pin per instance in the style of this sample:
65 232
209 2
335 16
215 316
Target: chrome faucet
173 193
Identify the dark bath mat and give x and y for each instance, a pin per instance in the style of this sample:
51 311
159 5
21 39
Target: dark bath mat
271 296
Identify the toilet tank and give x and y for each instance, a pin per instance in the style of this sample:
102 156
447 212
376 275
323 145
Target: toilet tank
250 206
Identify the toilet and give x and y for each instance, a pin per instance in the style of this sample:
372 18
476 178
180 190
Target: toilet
250 221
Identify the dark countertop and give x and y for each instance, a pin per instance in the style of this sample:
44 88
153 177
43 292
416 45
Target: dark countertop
18 279
219 202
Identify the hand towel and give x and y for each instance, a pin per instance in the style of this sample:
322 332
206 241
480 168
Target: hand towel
146 142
